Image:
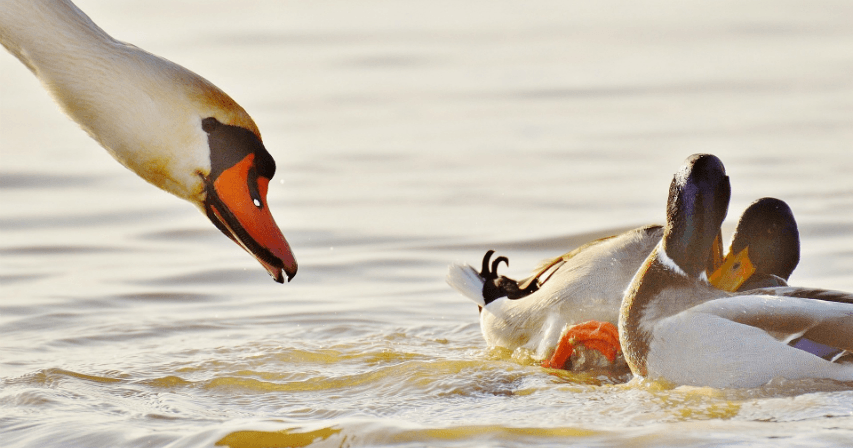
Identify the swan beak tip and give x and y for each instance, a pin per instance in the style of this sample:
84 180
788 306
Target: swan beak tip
275 255
287 269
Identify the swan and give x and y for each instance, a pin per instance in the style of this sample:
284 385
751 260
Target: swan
675 326
165 123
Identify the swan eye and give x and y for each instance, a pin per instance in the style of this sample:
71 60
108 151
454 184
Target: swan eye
254 190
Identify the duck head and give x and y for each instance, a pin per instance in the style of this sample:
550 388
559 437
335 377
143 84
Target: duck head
236 196
765 245
697 205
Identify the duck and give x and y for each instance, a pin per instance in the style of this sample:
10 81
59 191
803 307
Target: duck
587 284
674 326
763 253
170 126
535 314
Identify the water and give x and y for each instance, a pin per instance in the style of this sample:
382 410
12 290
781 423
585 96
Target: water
409 135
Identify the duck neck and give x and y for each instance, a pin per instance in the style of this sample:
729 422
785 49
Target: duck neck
645 300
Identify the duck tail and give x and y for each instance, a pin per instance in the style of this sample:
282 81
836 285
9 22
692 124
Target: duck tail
467 281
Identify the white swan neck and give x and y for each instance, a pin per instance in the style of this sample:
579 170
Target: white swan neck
144 110
47 34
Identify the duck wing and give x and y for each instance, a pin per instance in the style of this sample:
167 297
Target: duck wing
805 293
828 322
550 266
626 241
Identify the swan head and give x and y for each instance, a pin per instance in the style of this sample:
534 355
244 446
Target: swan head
235 196
206 149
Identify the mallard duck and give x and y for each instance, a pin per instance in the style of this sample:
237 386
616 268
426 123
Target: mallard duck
165 123
576 290
675 326
764 251
583 285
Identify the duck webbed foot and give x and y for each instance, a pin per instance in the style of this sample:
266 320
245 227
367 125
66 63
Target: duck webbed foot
495 286
592 335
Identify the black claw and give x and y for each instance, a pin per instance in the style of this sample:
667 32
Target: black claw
496 263
484 272
496 286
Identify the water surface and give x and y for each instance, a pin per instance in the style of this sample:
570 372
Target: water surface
409 135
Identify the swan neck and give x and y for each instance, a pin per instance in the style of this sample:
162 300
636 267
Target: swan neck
47 35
